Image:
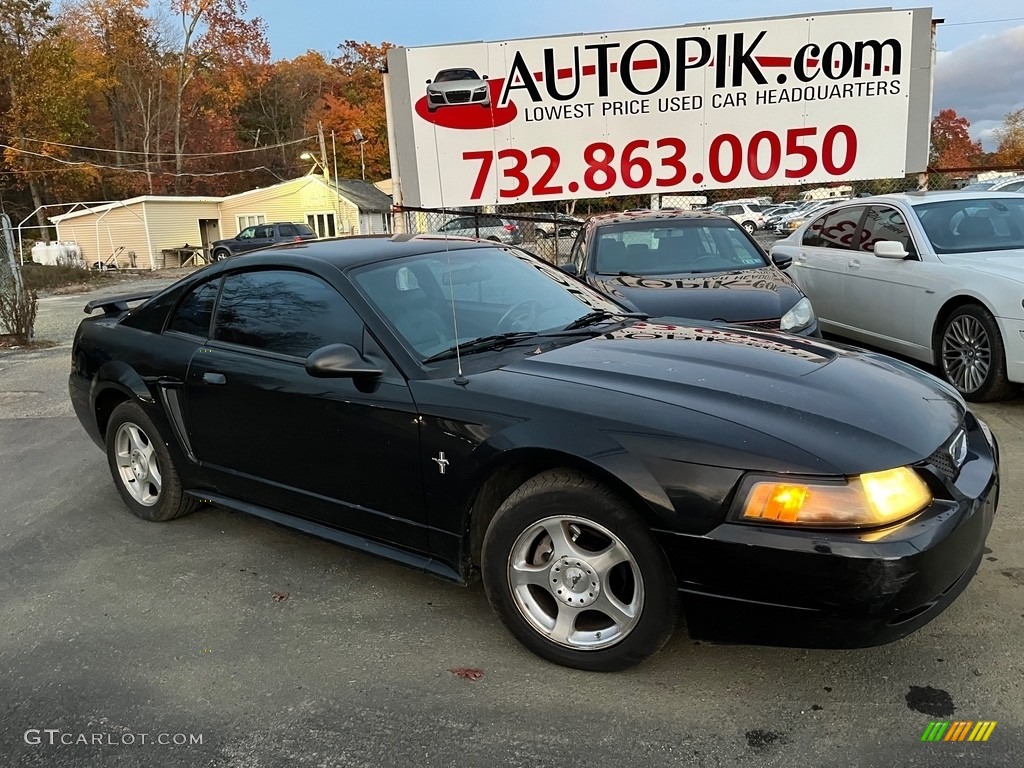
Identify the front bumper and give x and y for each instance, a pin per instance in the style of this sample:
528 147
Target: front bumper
831 589
1013 342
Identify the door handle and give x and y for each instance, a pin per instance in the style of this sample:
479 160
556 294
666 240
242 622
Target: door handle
854 263
214 378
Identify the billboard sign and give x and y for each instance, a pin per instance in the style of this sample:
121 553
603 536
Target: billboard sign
766 102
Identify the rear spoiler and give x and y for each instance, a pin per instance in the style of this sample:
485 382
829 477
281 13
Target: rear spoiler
115 305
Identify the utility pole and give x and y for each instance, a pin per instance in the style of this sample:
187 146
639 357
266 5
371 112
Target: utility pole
323 151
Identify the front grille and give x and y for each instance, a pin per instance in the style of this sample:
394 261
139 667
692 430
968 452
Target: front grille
437 98
942 459
762 325
458 97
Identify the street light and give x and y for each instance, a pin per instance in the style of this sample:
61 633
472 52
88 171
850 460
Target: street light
319 164
358 136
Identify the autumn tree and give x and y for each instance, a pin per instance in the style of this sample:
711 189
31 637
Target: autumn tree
126 48
280 106
215 38
41 93
951 145
1010 150
358 103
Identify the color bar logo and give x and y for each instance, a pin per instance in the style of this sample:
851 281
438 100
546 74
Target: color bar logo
959 730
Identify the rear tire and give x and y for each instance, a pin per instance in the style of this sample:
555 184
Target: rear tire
575 575
142 468
971 355
750 226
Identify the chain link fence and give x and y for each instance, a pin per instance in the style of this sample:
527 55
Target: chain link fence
17 306
550 230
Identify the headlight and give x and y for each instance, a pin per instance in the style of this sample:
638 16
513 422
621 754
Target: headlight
800 316
481 89
875 498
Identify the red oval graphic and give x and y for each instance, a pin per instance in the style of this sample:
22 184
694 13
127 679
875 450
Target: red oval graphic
470 117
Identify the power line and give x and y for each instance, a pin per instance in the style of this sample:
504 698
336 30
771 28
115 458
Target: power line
987 21
190 155
85 163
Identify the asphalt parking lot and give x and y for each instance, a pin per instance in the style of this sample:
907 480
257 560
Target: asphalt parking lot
272 648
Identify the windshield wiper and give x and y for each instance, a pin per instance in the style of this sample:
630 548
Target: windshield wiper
592 318
482 344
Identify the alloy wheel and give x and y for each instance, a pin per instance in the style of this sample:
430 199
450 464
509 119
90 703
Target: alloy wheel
576 583
966 353
137 464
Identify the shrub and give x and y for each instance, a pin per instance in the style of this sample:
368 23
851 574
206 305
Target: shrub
18 313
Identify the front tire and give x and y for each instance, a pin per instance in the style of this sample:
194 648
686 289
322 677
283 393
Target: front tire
575 575
220 255
971 355
142 467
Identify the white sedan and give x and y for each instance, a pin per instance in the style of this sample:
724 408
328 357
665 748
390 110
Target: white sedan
935 276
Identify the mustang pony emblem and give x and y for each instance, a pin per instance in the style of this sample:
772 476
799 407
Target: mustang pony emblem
442 462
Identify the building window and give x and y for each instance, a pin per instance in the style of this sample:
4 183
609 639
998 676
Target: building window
322 223
251 220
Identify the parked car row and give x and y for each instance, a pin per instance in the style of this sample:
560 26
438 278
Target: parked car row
929 276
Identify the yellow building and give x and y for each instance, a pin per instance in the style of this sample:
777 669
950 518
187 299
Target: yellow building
154 232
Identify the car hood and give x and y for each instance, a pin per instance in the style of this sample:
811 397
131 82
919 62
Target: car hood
764 401
1006 264
731 297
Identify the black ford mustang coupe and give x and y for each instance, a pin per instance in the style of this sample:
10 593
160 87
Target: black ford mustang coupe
457 405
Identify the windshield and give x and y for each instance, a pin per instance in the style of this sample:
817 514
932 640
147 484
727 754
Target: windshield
454 75
670 247
482 291
973 224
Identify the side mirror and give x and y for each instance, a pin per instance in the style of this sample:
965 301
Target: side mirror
570 269
781 260
339 361
890 249
429 82
484 77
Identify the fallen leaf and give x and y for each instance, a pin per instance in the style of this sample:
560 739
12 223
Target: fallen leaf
467 673
280 597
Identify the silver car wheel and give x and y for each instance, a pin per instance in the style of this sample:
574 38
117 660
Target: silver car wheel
966 353
137 464
576 583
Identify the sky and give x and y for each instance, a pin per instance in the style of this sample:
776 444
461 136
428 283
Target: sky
979 68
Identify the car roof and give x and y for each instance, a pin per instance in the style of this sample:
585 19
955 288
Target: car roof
933 196
345 252
670 214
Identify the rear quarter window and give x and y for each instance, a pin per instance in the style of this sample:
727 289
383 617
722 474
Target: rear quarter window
194 313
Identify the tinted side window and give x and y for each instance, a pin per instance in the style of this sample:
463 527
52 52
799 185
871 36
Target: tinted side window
195 311
291 313
288 230
884 223
264 232
835 229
